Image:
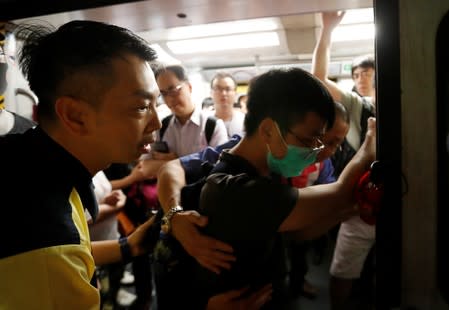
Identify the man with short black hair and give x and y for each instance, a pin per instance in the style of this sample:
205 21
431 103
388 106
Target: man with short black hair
223 91
244 198
97 97
355 237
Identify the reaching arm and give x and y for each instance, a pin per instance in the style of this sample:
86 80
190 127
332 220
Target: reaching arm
171 179
127 181
321 54
108 251
210 253
335 199
110 205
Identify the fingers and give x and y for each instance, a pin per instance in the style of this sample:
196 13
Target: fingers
217 245
208 265
261 297
198 219
234 294
213 254
216 261
372 125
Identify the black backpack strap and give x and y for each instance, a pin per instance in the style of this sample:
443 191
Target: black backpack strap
165 121
210 127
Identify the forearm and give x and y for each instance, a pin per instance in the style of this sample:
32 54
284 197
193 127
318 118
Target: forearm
106 252
171 179
321 55
337 198
150 167
321 60
105 211
314 204
122 183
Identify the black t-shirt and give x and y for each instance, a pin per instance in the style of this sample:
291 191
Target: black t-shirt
244 210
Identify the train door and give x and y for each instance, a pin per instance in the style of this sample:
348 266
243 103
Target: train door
412 62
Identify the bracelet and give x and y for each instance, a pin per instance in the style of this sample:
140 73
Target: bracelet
125 250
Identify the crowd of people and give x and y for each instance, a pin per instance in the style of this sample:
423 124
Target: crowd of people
212 204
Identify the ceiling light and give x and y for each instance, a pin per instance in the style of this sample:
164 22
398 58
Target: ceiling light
163 56
232 42
353 32
216 29
358 16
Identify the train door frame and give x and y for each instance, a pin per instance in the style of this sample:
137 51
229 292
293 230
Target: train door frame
388 114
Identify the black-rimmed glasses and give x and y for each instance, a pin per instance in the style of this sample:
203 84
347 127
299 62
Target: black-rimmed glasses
315 147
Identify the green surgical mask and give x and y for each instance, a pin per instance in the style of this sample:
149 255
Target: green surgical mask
294 162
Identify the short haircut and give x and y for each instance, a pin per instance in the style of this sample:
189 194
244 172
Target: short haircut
238 104
366 61
286 96
207 102
74 60
222 75
177 70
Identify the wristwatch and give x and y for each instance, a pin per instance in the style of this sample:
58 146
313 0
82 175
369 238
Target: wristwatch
166 219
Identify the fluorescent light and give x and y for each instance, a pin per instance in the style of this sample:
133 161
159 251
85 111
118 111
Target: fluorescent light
224 28
232 42
163 56
353 32
358 16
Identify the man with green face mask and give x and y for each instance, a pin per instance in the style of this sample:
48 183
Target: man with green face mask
244 198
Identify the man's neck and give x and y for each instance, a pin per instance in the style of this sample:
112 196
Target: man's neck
6 122
184 119
224 114
254 151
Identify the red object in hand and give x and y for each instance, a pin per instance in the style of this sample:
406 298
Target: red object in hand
369 196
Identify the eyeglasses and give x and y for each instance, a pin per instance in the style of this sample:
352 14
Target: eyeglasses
219 89
315 147
362 74
334 147
172 91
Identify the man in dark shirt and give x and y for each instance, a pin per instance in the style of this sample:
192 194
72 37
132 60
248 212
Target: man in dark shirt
97 97
244 199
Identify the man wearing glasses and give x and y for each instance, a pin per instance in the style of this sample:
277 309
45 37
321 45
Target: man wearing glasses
223 92
245 199
185 133
355 237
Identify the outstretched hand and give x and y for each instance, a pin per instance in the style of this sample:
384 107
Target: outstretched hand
210 253
331 20
369 145
137 239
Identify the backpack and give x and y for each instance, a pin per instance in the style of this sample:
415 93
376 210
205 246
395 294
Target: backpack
209 129
342 156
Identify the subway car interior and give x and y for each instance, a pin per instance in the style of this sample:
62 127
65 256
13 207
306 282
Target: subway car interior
408 265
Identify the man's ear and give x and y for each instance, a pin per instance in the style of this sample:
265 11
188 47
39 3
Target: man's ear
73 114
189 86
267 130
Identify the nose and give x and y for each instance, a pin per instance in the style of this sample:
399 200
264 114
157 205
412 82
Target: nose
154 122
